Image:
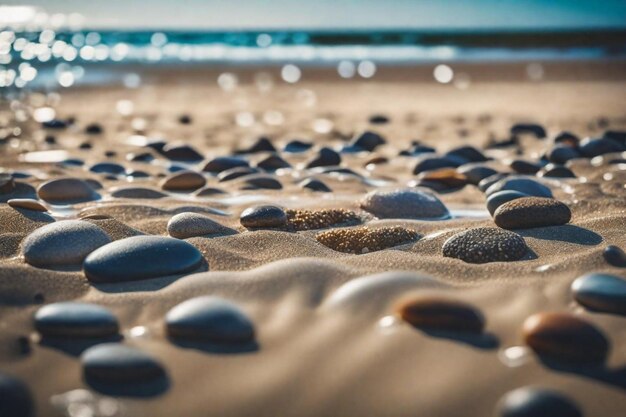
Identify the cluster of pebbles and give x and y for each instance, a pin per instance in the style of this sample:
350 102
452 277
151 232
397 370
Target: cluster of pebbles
518 198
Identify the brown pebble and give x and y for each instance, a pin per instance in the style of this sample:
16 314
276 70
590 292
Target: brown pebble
319 219
6 183
441 313
364 240
27 204
528 212
183 181
566 337
66 191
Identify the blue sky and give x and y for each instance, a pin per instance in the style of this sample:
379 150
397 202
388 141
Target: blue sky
318 14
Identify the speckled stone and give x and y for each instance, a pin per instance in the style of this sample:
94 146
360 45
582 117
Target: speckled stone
536 402
141 257
260 217
26 204
317 219
441 313
75 319
66 191
325 157
615 256
528 212
65 242
404 204
210 319
114 362
186 225
15 398
485 244
521 184
495 200
361 240
565 337
601 292
183 181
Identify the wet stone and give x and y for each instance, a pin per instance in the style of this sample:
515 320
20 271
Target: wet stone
186 225
15 397
314 185
107 168
209 319
615 256
297 146
567 139
223 163
495 200
325 157
272 163
537 402
468 153
368 141
66 191
601 292
137 192
65 242
565 337
430 163
524 167
556 171
141 257
256 181
441 313
594 147
75 320
485 244
261 217
234 173
26 204
476 173
114 362
404 204
183 181
521 184
182 153
529 212
562 153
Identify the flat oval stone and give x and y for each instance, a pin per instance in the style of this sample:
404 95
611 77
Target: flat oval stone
74 319
601 292
137 192
263 217
441 313
368 141
273 163
404 204
524 167
65 242
26 204
615 256
521 184
556 171
233 173
563 336
222 163
183 181
183 153
430 163
107 168
495 200
325 157
141 257
485 244
528 128
537 402
7 184
210 319
562 153
314 185
66 191
528 212
476 173
114 362
186 225
15 398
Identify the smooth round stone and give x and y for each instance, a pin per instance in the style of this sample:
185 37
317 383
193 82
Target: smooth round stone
233 173
26 204
262 144
528 212
209 319
263 181
430 163
566 337
601 292
567 139
562 153
314 185
186 225
468 153
556 171
521 184
15 398
114 362
107 168
65 242
528 128
485 244
326 157
272 163
441 313
524 167
66 191
141 257
368 141
615 256
487 182
209 191
495 200
183 181
476 173
537 402
74 319
263 217
183 153
297 146
137 192
223 163
594 147
404 204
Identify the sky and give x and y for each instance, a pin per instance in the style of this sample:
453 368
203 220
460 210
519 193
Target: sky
339 14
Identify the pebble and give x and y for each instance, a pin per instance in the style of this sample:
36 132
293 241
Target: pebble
209 319
141 257
594 147
485 244
562 153
234 173
272 163
263 144
404 203
318 219
441 313
476 173
368 141
107 168
256 181
325 157
66 191
182 153
521 184
223 163
27 204
567 139
186 225
114 362
137 192
209 191
75 319
297 146
615 256
566 337
15 398
266 216
495 200
183 181
529 128
537 402
364 240
467 153
430 163
65 242
487 182
314 185
601 292
524 167
529 212
94 129
555 171
7 184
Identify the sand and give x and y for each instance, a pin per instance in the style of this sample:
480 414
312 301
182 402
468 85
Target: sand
315 357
